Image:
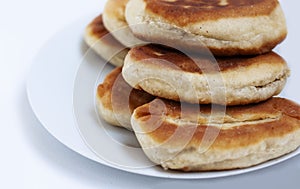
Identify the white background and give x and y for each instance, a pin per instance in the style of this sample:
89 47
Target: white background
31 158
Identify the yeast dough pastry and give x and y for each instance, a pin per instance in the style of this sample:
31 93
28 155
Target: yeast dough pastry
226 27
170 74
103 43
246 136
114 21
116 100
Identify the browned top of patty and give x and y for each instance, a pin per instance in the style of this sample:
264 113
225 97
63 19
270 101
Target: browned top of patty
184 12
97 27
171 58
241 126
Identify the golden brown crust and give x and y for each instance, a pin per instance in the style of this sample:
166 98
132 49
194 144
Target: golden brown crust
184 12
97 30
97 27
158 55
116 95
281 116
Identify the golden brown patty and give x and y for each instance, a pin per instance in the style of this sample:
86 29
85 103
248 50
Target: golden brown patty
103 43
180 136
226 27
168 73
116 100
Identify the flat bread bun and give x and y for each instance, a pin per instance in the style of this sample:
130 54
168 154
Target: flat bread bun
170 74
225 27
116 100
184 137
104 44
114 21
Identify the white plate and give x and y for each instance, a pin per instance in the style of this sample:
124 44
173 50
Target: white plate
51 88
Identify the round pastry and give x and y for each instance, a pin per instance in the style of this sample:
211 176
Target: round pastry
226 27
170 74
116 100
200 141
104 44
114 21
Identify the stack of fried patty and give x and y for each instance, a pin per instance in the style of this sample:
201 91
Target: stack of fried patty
196 80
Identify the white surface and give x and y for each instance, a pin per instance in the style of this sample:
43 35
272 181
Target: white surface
57 69
32 158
